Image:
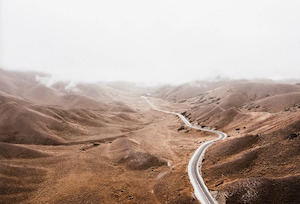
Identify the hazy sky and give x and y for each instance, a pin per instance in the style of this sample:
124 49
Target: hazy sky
152 41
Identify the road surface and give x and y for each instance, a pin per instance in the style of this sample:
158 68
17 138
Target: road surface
200 189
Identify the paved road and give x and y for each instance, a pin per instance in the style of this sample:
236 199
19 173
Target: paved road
200 189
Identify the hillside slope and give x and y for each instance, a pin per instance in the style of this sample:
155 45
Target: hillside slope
262 151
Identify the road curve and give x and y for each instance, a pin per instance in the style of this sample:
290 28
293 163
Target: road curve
200 189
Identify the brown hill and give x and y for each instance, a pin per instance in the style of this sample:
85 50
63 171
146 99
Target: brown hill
92 91
76 101
262 121
21 123
220 106
188 90
223 118
54 141
75 119
237 95
264 190
124 151
277 103
119 106
26 86
12 151
270 156
18 182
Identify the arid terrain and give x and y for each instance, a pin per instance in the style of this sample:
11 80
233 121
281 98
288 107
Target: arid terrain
90 144
259 161
102 143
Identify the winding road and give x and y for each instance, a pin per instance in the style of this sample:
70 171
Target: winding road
200 189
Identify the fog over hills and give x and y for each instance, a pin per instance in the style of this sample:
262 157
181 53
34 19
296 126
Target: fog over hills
108 137
149 101
157 42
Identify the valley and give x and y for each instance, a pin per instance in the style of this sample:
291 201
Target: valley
103 143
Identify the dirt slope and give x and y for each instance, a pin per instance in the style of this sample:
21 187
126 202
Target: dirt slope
89 143
262 121
188 90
